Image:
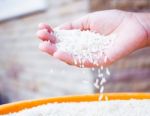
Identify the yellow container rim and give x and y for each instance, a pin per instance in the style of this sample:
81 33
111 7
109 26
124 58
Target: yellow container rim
17 106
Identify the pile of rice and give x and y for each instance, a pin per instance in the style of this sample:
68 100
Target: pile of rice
103 108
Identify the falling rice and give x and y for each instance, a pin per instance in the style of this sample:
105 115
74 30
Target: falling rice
86 46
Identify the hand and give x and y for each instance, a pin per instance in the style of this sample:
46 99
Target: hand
130 34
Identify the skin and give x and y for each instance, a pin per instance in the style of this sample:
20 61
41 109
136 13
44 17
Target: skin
132 32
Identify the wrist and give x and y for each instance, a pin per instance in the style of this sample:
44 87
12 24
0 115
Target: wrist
144 20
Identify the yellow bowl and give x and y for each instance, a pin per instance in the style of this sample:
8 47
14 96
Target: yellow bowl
17 106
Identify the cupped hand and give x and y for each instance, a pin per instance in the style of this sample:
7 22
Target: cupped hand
129 32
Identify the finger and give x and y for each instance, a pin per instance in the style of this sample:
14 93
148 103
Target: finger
45 26
45 36
88 64
47 47
63 56
67 58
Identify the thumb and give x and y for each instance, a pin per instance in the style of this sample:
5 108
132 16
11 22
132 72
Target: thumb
81 24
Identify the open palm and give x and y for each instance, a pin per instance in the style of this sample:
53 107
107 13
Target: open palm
130 34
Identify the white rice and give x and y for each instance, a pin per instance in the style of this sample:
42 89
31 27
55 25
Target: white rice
83 45
103 108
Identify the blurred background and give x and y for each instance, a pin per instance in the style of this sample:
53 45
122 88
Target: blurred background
27 73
